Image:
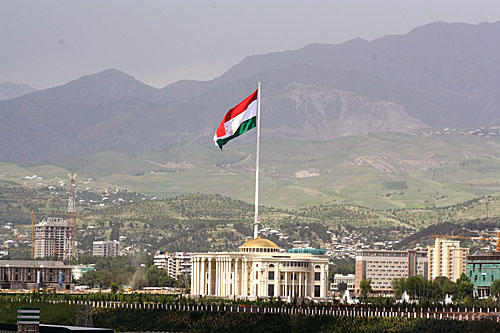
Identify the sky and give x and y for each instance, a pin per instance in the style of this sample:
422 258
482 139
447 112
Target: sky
46 43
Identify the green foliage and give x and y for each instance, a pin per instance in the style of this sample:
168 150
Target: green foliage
365 287
495 288
156 277
464 287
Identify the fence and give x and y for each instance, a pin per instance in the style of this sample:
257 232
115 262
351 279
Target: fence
412 312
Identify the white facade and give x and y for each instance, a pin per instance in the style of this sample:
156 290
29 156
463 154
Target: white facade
340 279
260 269
176 263
106 248
54 238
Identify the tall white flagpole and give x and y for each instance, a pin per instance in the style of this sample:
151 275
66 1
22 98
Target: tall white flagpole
256 221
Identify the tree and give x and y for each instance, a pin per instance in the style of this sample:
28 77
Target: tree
464 287
366 287
399 286
114 287
495 288
443 286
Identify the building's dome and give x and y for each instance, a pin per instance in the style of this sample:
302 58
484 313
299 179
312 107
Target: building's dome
259 244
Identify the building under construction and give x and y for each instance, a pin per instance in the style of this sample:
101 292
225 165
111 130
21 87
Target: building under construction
54 239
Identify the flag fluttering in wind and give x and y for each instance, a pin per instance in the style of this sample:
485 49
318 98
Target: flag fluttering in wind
238 120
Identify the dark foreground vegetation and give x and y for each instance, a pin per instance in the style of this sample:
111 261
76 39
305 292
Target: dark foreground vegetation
138 320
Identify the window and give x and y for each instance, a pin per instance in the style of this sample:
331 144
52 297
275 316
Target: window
271 275
317 276
270 290
317 291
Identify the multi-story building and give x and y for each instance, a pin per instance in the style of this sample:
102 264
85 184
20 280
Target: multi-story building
260 269
383 266
54 237
342 283
183 264
446 258
109 248
176 264
33 274
483 268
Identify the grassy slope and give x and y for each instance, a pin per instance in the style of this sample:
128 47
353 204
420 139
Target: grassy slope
380 171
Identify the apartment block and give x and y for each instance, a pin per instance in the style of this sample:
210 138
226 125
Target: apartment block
383 266
446 258
176 263
106 248
54 238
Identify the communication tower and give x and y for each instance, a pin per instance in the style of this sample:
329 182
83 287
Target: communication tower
72 211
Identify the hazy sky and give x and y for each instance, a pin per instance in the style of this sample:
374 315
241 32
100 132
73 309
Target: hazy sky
46 43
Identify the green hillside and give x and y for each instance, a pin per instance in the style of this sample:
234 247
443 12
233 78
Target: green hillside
379 171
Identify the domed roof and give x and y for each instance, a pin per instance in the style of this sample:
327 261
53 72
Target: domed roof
259 242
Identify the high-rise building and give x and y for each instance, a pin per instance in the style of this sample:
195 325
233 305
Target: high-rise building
482 269
109 248
383 266
54 238
446 258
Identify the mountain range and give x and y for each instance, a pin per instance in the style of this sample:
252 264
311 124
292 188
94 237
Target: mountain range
9 90
440 74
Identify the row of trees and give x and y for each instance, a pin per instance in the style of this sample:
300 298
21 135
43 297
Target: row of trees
150 277
429 291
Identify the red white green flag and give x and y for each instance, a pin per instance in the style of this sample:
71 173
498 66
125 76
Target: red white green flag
238 120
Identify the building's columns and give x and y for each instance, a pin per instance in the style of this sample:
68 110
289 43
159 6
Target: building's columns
202 277
209 291
236 284
245 280
300 284
226 277
276 280
226 282
286 284
322 287
217 276
198 282
243 277
193 276
223 276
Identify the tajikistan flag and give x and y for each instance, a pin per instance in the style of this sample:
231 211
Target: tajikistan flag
237 121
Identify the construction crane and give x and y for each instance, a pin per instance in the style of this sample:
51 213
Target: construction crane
497 239
72 210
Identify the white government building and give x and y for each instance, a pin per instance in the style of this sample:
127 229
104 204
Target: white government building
260 269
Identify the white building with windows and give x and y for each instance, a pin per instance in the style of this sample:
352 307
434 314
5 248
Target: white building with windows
342 282
54 237
176 264
110 248
260 269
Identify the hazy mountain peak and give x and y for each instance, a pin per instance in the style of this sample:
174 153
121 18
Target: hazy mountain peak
98 88
9 90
